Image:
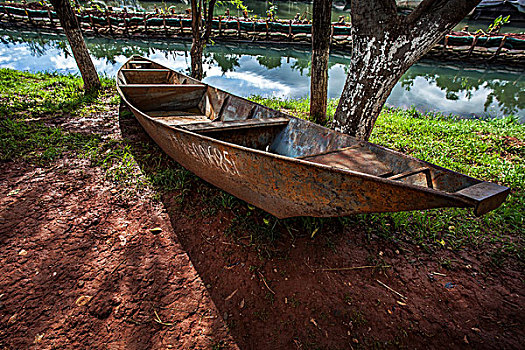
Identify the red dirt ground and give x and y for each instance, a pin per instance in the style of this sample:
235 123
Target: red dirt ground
81 268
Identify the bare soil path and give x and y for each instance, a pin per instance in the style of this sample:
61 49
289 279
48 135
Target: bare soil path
82 266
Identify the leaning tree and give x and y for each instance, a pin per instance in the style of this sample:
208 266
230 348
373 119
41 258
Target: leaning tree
71 28
384 45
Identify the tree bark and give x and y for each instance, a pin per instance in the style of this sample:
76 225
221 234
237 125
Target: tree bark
321 30
200 35
384 46
69 23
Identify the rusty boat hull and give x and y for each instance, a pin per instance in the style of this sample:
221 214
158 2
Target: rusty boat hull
281 164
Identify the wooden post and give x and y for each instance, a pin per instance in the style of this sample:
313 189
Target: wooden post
267 30
164 24
50 15
474 42
290 35
28 16
108 20
445 43
238 27
145 23
220 25
8 13
501 44
181 26
126 31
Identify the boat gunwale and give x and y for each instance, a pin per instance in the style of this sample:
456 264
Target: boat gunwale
451 196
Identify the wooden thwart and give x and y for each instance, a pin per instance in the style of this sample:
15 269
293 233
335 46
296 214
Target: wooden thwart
237 124
353 158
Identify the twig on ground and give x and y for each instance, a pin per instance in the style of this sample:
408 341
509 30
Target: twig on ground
392 290
354 268
266 284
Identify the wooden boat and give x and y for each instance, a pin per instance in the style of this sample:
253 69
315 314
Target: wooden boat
281 164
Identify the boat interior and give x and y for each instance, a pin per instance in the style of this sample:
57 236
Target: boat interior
179 101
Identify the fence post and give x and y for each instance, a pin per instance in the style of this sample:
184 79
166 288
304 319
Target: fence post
50 15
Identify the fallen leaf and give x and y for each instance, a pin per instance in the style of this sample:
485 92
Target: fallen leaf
83 300
155 230
23 252
315 323
476 329
38 338
13 192
12 319
241 305
401 303
315 231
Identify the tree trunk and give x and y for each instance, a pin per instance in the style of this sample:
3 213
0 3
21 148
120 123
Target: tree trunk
196 51
384 46
200 35
69 23
321 30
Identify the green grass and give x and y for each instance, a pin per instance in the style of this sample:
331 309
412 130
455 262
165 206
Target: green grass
24 93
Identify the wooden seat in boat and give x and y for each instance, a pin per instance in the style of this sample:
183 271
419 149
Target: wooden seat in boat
355 158
236 124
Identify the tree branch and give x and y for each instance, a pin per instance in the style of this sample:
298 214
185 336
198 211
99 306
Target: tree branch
209 20
444 10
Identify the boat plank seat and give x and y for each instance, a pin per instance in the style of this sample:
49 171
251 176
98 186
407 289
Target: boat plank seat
176 118
236 124
355 158
155 97
148 76
424 170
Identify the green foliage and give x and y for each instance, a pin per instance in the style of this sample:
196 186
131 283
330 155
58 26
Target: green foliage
498 23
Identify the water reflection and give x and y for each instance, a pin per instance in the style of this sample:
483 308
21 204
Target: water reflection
245 70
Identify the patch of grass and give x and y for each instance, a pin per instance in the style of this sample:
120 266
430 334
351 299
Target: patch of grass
40 144
36 94
299 108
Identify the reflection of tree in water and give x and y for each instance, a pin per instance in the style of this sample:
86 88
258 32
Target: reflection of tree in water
509 94
269 62
227 62
37 44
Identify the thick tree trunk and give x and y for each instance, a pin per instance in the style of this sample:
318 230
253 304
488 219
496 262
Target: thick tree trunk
321 28
69 23
196 51
385 45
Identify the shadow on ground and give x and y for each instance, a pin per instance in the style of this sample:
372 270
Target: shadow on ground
273 285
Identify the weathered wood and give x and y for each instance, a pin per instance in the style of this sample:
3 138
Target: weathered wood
164 97
255 160
237 124
352 158
71 28
321 27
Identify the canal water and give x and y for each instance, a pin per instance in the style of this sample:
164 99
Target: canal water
282 71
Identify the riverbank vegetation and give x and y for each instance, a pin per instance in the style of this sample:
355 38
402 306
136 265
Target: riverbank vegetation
35 107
